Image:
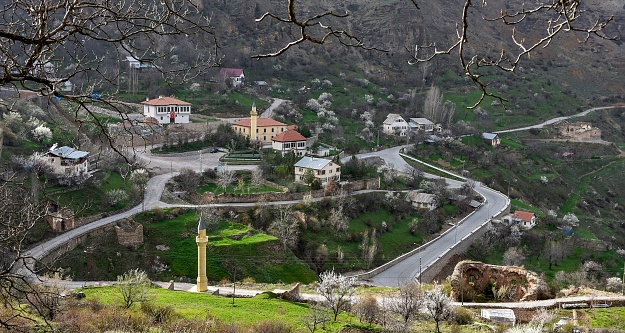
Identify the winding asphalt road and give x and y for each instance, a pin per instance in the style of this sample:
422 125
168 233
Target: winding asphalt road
409 266
404 269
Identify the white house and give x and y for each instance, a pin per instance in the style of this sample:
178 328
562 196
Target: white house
422 124
235 75
526 220
139 64
422 200
394 124
68 161
290 141
321 169
167 110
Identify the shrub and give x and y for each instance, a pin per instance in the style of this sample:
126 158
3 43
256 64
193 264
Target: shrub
462 316
272 327
158 314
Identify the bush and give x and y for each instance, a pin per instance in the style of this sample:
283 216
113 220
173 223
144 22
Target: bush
462 316
158 314
272 327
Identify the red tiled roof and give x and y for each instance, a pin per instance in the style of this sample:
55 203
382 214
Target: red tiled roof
260 122
163 100
289 136
524 216
231 72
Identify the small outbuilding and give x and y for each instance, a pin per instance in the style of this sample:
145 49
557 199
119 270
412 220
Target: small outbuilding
500 316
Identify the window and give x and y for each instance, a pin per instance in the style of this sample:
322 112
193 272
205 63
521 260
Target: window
272 129
338 170
257 130
264 130
323 172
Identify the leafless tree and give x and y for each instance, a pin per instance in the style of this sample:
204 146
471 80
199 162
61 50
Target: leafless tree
556 17
563 16
317 315
257 178
38 39
336 291
225 178
285 227
407 303
19 213
367 309
513 257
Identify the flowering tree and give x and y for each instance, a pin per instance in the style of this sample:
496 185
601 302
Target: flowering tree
437 305
336 291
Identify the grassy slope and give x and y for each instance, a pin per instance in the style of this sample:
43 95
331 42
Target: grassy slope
230 245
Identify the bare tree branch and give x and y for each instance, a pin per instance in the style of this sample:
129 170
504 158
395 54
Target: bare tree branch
315 29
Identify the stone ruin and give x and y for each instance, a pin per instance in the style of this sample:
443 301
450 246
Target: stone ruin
578 130
129 233
60 219
474 281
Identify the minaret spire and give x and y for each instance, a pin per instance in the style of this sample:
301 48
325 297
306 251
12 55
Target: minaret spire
202 241
253 122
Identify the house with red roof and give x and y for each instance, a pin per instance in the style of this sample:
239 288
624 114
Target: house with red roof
259 129
290 141
167 110
526 220
235 76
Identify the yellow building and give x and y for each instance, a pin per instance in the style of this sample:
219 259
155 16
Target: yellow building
259 129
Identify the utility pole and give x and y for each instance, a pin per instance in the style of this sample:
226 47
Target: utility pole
201 161
88 251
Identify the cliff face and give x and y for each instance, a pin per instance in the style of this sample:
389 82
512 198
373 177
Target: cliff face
397 26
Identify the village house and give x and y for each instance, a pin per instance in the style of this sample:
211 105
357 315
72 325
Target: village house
135 63
322 169
167 110
68 161
290 141
525 219
491 138
422 200
259 129
423 124
394 124
235 76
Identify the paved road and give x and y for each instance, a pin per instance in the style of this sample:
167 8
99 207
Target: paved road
555 120
404 269
392 277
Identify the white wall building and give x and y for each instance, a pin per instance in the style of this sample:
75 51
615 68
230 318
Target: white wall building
68 161
321 169
394 124
167 110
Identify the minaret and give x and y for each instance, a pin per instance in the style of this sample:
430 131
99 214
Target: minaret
201 240
253 119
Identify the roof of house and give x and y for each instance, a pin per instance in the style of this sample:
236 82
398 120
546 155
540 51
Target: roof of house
489 136
289 136
164 100
67 152
421 121
312 163
260 122
231 72
421 197
391 118
523 216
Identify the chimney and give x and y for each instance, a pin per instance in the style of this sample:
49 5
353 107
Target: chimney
160 97
147 99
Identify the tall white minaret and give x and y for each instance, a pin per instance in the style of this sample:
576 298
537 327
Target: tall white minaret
202 241
253 120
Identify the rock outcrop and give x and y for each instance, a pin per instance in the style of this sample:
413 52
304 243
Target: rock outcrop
478 282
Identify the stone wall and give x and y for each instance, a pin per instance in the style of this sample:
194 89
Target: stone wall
129 234
472 280
366 184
